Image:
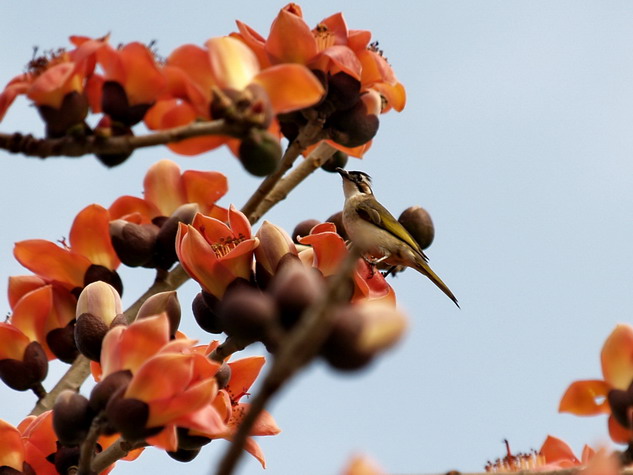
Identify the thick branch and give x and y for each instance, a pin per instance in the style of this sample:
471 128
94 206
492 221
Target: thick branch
317 158
308 135
299 348
76 147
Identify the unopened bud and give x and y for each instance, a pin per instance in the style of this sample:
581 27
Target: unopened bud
134 243
166 238
274 244
247 313
28 373
129 417
337 160
105 389
96 273
72 417
358 125
162 302
260 152
204 307
417 221
294 288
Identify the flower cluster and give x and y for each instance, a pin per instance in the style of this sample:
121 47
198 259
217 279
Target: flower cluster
262 88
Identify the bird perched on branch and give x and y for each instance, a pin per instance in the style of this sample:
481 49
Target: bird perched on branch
380 237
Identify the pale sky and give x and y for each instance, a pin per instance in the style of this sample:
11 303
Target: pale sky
518 139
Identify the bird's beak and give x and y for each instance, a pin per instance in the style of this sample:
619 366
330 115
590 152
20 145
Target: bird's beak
343 173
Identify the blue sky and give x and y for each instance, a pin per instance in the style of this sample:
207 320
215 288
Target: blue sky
518 139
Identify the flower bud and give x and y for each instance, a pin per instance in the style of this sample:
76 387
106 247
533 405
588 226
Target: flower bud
97 273
204 307
184 455
72 417
114 102
68 119
343 91
274 244
417 221
129 416
337 160
108 128
303 228
162 302
106 388
358 125
28 373
61 342
65 459
98 309
259 152
337 219
294 288
133 243
166 238
247 313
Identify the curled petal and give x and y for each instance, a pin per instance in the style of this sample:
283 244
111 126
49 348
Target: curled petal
254 41
619 434
125 207
290 39
556 450
290 87
12 450
17 86
163 187
90 236
585 398
233 64
19 285
50 87
617 357
343 59
52 262
244 372
204 188
12 342
32 312
329 247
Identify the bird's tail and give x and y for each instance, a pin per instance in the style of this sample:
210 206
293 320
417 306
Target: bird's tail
423 268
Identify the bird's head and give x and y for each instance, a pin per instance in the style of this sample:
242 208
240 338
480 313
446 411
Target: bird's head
355 182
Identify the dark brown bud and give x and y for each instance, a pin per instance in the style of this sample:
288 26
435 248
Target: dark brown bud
97 273
28 373
337 219
204 309
260 152
129 417
294 288
223 376
65 459
162 302
188 441
114 102
68 119
166 238
340 349
72 417
291 123
134 243
417 221
337 160
184 455
247 313
303 228
343 91
89 333
61 341
107 387
355 126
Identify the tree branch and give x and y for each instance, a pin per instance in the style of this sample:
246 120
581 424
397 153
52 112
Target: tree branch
78 146
301 345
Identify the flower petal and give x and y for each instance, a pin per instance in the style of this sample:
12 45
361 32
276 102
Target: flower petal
12 450
233 64
12 342
617 357
204 188
290 87
31 313
90 236
244 372
556 450
290 39
19 285
163 187
585 398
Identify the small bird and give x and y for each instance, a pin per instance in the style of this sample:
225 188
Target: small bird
377 233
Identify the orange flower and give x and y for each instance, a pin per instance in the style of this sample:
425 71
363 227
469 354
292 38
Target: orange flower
611 395
66 266
227 64
165 188
243 373
172 385
214 253
328 250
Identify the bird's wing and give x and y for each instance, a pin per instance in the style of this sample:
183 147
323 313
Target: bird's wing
377 214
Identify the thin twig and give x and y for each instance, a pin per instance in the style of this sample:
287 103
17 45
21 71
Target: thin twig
87 448
316 158
309 134
299 348
76 147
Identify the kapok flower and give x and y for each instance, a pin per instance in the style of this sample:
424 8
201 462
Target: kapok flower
227 65
56 85
329 249
131 84
68 266
214 253
274 244
612 395
171 385
243 373
23 363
